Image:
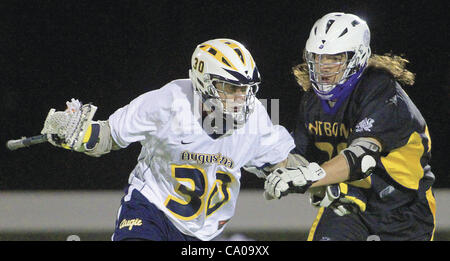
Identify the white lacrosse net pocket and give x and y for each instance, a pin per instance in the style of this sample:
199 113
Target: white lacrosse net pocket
56 123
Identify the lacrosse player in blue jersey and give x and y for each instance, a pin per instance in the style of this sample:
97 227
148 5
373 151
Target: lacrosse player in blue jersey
374 146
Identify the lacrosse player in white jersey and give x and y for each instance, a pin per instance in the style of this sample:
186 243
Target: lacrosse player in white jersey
196 135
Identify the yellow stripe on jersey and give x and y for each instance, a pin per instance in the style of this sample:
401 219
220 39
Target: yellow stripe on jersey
427 134
218 55
432 204
312 231
344 189
403 164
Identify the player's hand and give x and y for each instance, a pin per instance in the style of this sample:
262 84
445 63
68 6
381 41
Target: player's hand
67 128
323 196
342 198
283 181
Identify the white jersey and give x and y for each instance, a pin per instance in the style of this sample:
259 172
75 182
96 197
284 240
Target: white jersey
193 178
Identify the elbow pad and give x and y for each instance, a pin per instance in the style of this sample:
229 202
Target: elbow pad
362 156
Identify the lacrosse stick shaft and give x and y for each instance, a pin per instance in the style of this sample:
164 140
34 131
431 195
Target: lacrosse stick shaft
25 142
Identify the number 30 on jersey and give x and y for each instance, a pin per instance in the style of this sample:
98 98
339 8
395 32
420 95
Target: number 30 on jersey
193 199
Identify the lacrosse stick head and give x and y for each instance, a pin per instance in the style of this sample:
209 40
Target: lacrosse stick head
70 125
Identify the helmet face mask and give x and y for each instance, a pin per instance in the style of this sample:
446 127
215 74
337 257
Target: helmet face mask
237 100
327 70
336 52
224 74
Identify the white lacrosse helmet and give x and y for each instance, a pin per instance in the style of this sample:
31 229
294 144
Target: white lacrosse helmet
337 33
225 61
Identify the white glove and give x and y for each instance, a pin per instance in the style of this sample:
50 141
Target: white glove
67 128
283 181
322 196
326 197
352 201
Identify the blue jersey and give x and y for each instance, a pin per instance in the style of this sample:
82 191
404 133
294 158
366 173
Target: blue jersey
381 109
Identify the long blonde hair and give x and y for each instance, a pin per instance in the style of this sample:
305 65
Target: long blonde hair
393 64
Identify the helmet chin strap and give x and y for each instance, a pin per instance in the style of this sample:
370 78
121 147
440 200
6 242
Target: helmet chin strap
339 94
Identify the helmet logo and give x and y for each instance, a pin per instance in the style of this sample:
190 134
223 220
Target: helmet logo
321 46
200 64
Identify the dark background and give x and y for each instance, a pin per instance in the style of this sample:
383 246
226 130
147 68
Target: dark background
108 53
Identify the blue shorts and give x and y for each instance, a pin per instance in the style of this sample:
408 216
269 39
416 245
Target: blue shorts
139 219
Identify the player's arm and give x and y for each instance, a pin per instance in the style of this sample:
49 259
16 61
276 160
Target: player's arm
336 170
351 164
354 163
